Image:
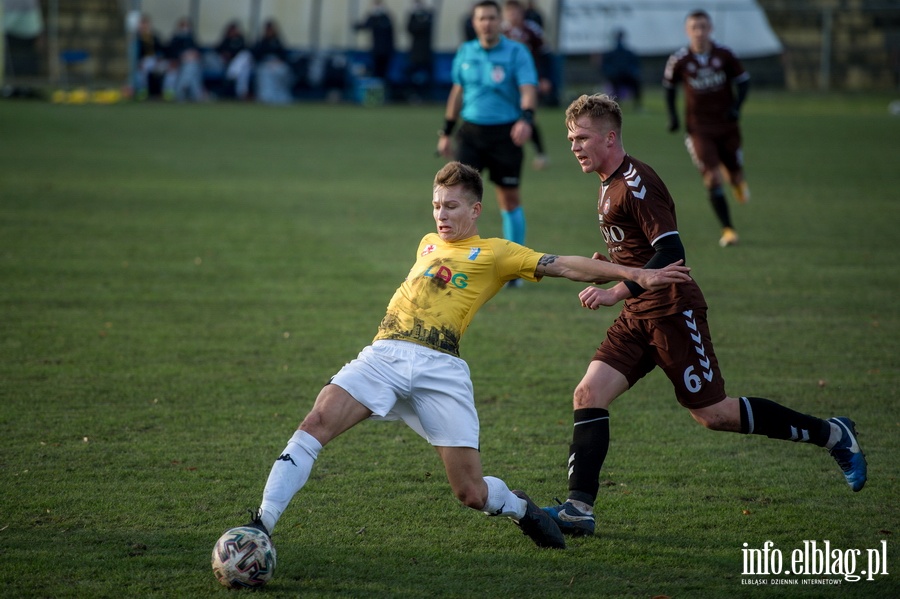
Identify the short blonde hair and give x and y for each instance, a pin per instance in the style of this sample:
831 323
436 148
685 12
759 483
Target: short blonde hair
599 107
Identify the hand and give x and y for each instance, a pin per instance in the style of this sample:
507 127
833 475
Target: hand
594 297
521 133
652 279
733 114
673 123
445 146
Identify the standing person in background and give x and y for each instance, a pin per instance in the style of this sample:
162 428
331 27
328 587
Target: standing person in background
420 27
621 67
534 14
468 29
495 93
709 74
666 328
23 29
380 24
516 28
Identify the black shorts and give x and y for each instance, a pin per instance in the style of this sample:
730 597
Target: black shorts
680 344
491 147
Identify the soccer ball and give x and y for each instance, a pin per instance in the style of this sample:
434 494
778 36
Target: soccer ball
243 557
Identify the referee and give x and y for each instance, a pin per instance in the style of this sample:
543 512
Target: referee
495 93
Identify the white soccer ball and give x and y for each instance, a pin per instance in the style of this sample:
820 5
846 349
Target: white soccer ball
243 557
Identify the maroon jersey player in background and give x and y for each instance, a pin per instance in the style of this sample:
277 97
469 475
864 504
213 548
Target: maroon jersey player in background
666 327
710 73
517 28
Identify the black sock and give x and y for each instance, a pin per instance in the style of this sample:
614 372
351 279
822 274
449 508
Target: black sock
765 417
590 443
719 205
537 139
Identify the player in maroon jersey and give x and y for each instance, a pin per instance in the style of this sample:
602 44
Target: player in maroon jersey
665 328
709 74
518 29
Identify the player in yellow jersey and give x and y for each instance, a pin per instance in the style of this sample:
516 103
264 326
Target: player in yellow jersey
412 370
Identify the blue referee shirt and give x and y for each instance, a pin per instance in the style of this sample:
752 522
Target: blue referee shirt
490 80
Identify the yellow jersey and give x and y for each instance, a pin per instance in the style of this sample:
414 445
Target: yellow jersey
448 284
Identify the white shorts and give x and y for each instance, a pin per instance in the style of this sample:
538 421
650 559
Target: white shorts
429 390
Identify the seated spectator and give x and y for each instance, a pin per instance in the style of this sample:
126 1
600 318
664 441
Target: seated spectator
184 78
219 63
274 78
265 65
151 60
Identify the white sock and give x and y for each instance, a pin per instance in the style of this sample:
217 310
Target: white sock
288 475
501 501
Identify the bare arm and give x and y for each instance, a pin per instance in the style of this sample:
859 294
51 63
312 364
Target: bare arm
454 102
669 250
451 114
522 129
528 95
580 268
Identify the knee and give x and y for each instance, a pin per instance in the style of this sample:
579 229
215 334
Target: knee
314 424
716 421
471 495
586 396
713 178
581 396
709 421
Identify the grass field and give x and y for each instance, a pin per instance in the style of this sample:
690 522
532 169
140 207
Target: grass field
179 281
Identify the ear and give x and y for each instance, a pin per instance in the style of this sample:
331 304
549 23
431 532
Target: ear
476 209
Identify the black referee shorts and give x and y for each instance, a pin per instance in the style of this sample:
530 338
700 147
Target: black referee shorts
491 147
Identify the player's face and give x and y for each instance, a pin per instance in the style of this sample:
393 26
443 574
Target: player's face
699 30
455 217
513 15
486 21
592 143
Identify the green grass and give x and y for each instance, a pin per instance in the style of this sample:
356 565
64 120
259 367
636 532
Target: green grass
179 281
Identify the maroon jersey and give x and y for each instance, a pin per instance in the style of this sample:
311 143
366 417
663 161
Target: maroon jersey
636 210
529 34
708 80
